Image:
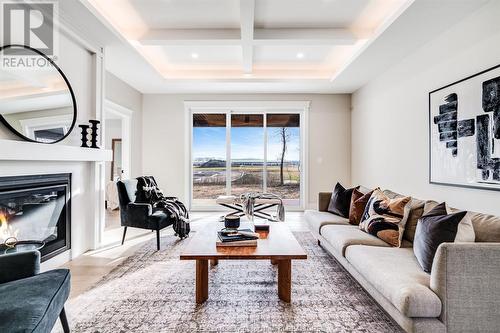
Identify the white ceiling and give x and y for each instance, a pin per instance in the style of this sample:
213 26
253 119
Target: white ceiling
259 46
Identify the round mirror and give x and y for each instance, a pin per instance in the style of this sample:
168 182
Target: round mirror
36 99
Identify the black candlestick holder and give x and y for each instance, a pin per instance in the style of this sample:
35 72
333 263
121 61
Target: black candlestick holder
85 129
94 134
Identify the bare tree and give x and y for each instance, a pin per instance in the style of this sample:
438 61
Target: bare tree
284 136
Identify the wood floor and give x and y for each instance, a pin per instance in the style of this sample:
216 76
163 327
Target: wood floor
90 267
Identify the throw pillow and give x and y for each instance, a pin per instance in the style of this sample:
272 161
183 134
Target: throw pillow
434 228
385 218
416 212
358 205
465 231
340 200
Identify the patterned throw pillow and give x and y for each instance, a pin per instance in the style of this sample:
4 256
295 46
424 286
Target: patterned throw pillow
358 205
385 218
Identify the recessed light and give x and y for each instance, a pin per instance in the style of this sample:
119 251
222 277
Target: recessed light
300 55
195 55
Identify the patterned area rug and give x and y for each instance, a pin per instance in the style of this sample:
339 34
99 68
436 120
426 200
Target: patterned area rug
154 292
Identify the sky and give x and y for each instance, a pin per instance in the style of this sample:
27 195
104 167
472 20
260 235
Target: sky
246 143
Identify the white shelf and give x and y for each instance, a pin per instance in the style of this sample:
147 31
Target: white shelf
11 150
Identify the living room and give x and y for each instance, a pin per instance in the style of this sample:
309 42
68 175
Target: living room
250 166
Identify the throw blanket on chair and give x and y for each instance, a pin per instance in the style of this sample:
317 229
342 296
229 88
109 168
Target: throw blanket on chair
148 192
248 203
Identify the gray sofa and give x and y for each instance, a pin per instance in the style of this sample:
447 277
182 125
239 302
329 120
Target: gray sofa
462 293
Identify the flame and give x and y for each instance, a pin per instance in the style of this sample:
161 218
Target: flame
6 230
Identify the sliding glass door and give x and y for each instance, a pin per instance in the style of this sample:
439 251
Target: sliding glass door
283 156
208 157
252 151
247 153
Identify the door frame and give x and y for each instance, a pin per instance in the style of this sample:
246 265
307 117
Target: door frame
242 107
125 115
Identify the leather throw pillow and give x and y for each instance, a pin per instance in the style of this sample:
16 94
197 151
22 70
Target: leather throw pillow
358 205
340 201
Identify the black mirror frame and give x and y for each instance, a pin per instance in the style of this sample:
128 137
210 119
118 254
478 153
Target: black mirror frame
13 130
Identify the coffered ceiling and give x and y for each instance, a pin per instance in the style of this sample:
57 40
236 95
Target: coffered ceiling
259 46
248 39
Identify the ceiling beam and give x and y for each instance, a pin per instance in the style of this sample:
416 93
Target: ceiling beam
247 15
303 36
191 37
276 36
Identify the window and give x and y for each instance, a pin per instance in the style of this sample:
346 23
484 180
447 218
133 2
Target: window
283 156
247 153
208 157
237 151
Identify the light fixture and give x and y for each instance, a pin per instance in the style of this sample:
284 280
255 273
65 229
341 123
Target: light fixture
300 55
195 55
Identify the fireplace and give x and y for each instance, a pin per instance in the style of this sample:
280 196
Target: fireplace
37 208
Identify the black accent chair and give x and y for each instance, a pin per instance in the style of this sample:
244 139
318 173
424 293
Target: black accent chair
139 215
31 302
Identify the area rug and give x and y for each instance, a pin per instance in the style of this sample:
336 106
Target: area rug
154 292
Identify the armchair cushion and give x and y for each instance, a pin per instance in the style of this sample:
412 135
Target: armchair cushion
15 266
33 304
159 219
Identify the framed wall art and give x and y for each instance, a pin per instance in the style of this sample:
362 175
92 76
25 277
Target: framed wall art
464 132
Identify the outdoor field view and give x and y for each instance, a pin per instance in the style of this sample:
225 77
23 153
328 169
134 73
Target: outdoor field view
248 163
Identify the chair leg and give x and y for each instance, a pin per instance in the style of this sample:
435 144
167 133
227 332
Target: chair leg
158 239
64 321
124 233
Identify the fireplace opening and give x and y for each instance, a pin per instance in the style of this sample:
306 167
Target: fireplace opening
37 208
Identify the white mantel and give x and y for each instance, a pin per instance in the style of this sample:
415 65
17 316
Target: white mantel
11 150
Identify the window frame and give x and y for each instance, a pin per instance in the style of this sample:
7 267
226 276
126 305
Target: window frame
245 107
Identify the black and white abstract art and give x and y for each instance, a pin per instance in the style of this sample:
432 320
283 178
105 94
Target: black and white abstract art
464 132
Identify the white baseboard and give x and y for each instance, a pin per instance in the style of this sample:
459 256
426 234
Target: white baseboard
56 261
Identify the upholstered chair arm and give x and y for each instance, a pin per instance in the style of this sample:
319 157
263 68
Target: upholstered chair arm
466 277
138 212
19 265
324 201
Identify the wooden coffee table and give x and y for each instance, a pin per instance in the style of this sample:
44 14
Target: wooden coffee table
278 245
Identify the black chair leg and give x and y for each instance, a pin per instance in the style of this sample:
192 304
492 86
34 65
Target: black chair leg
124 233
64 321
158 239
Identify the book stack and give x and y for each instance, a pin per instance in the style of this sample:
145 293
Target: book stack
241 237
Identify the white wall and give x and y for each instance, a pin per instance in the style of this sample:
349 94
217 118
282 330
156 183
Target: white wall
77 64
390 114
328 140
124 95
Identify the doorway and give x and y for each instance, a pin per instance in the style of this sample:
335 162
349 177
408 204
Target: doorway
117 131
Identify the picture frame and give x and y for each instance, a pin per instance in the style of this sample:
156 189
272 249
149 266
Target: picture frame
464 132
